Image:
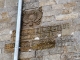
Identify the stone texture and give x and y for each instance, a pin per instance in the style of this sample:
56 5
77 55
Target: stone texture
67 16
71 4
31 5
48 18
8 56
66 32
0 51
11 3
58 6
52 57
2 44
2 3
47 8
27 54
54 12
46 2
7 37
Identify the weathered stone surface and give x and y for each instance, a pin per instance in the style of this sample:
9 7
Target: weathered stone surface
68 5
26 1
1 56
66 32
71 49
4 15
46 2
27 54
11 3
67 16
31 5
54 12
2 44
0 51
67 11
8 56
58 6
7 37
47 8
56 50
47 18
32 18
5 31
2 3
52 57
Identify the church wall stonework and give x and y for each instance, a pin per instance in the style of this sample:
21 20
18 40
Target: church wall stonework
54 12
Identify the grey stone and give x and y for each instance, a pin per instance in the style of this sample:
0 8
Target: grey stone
27 54
2 44
7 37
34 1
45 52
47 8
52 57
39 53
61 1
56 50
0 51
40 58
31 5
11 3
8 56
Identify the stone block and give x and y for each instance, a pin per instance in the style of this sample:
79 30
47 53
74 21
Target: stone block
71 4
47 8
1 57
67 11
13 14
54 12
40 58
0 51
4 15
48 18
26 1
7 37
52 57
66 56
30 5
66 32
34 1
47 2
71 49
56 50
5 31
4 25
2 44
39 53
62 1
27 54
2 3
67 16
45 52
11 3
7 56
58 6
48 13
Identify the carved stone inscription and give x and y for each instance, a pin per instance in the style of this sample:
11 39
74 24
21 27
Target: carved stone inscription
24 46
43 44
32 18
9 47
46 34
41 32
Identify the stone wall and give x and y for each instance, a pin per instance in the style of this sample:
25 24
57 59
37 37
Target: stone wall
67 46
8 15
